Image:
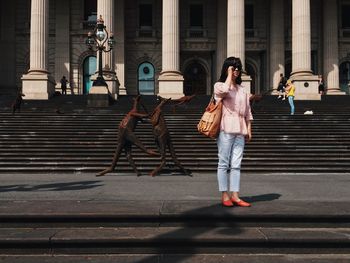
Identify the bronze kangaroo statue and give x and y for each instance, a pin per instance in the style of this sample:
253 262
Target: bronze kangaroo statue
127 138
163 138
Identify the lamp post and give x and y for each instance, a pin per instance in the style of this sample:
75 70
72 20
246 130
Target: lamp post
96 41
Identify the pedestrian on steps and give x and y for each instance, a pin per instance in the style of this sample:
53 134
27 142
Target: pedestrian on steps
281 87
290 91
321 89
64 82
235 130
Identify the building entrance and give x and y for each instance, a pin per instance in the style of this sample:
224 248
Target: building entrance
344 76
89 69
146 79
195 79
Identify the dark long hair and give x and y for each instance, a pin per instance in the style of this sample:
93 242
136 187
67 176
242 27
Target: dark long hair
235 63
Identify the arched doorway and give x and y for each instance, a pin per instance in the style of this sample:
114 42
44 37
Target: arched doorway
89 69
251 72
344 76
145 75
195 79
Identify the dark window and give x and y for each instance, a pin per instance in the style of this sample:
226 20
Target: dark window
345 17
195 79
145 15
249 16
90 10
196 15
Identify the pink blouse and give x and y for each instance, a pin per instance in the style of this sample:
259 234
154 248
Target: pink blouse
236 108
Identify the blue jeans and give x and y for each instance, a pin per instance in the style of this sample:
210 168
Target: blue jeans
230 153
291 103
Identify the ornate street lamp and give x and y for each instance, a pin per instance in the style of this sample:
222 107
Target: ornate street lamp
96 41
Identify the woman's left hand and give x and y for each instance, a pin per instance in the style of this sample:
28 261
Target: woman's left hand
248 137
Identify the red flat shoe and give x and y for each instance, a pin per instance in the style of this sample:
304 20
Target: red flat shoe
240 202
227 203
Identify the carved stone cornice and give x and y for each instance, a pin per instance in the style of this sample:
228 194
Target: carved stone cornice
198 45
256 45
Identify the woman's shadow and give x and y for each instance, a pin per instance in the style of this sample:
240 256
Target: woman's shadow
262 198
194 224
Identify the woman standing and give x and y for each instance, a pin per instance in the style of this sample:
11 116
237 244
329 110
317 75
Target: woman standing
235 130
290 90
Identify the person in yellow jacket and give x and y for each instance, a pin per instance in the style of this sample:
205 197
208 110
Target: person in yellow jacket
290 91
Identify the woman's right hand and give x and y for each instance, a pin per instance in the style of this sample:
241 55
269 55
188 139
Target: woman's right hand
229 76
230 71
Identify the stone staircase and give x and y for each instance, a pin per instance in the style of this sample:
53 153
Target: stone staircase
120 231
82 140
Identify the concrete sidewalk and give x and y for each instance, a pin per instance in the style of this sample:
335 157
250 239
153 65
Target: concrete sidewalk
316 196
116 187
127 187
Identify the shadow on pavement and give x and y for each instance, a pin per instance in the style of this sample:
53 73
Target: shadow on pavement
261 198
51 187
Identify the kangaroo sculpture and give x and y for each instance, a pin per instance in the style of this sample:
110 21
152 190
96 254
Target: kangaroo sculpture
127 138
163 138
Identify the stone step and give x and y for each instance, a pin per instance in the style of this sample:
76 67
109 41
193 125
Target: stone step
188 157
145 170
190 239
266 211
176 258
191 146
186 146
188 161
177 140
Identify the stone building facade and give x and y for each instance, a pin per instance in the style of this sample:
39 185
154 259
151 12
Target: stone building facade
175 47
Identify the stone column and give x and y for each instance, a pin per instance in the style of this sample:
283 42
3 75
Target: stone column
235 29
330 47
305 82
236 35
38 83
119 52
62 40
221 39
105 8
276 43
170 79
